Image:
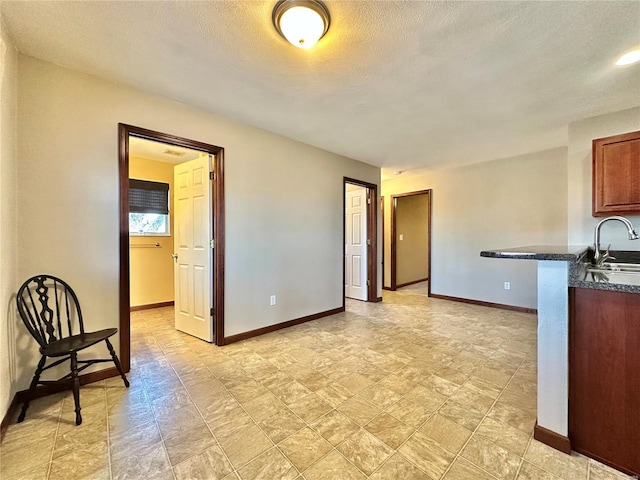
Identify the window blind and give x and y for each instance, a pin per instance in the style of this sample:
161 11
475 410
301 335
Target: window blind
148 197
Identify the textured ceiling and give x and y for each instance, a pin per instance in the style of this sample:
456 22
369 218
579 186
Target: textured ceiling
160 152
398 84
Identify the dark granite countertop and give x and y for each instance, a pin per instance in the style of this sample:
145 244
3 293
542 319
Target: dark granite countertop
579 258
538 252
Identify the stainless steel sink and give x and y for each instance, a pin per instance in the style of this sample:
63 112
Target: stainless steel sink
621 278
612 272
620 267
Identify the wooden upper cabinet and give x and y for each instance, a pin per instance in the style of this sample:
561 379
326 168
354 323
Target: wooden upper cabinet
616 175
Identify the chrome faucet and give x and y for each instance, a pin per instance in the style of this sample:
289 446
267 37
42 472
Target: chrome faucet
598 257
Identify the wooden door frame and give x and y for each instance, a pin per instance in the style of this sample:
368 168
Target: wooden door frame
382 247
124 133
394 205
372 235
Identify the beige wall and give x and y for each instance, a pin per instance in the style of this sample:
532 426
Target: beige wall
284 200
151 269
581 222
8 219
502 203
520 201
412 252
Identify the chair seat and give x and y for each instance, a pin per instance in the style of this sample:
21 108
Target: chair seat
76 342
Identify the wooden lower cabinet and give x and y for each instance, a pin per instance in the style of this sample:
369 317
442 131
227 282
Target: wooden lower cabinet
604 377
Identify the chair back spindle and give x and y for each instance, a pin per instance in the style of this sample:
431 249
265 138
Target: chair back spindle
47 305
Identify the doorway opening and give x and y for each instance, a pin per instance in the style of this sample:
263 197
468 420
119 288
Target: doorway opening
360 269
193 234
411 242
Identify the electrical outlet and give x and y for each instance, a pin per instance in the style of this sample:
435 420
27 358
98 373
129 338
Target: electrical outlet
507 285
272 300
401 237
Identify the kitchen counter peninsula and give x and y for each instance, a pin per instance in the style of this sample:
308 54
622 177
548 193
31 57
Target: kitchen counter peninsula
579 258
554 264
559 268
538 252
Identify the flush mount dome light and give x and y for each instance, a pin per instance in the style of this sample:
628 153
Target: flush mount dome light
628 58
301 22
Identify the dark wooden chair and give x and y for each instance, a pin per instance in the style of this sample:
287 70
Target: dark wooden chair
51 312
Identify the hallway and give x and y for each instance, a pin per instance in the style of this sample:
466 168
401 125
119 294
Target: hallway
420 288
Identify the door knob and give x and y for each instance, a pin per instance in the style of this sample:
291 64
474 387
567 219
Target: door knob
174 256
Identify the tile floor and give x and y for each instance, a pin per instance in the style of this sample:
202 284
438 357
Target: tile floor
420 288
411 388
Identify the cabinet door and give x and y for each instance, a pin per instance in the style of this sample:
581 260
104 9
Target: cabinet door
616 175
604 377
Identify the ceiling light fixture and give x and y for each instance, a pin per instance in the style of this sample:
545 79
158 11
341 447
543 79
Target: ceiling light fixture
175 153
301 22
628 58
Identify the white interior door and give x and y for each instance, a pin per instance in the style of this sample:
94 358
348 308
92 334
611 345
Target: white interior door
356 243
193 265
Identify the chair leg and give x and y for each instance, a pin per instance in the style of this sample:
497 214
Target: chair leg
32 388
116 361
76 386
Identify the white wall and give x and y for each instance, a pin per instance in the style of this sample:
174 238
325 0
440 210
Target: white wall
284 199
8 218
503 203
581 223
